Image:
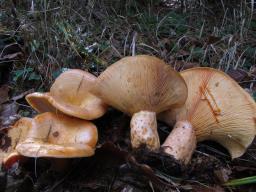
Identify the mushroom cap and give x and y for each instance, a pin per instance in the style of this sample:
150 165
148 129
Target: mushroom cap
218 108
59 136
9 140
140 83
70 94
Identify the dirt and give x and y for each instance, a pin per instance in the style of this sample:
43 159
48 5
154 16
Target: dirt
116 167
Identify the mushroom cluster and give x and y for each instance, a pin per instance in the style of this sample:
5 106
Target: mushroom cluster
70 94
205 104
62 129
201 104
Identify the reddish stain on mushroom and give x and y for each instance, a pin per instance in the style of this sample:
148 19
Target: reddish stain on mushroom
254 118
144 131
55 134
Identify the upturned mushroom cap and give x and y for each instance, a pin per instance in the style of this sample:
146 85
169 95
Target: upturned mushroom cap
70 94
59 136
218 109
141 86
140 83
9 140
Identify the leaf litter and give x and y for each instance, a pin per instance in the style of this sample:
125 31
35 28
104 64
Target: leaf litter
116 167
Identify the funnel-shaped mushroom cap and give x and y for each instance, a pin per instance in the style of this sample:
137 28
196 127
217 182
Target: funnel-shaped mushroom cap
218 108
9 140
140 83
60 136
70 94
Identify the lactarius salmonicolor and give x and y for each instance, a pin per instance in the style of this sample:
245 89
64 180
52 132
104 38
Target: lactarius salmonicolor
10 138
59 136
217 109
141 86
70 94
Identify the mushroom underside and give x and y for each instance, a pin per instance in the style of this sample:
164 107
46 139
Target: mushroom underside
218 109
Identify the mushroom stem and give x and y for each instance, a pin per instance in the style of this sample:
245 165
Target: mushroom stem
181 142
144 130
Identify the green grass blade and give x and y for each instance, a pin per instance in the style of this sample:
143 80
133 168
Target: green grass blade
243 181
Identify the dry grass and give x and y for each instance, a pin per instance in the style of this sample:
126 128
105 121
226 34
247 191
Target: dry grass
93 34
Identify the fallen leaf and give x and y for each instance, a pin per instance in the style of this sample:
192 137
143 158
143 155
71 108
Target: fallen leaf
12 56
183 65
188 65
182 53
11 51
252 71
222 174
201 188
237 74
9 110
20 96
242 168
212 39
128 188
4 90
8 114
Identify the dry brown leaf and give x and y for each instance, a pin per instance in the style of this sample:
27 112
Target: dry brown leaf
11 51
4 90
182 65
20 96
237 74
8 114
201 188
12 55
183 53
212 39
222 174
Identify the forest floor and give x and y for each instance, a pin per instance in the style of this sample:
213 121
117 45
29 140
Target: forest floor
41 39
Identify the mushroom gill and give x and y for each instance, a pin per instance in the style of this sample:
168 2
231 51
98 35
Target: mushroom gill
217 109
59 136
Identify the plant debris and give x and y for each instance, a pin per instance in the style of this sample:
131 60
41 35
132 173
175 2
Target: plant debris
41 39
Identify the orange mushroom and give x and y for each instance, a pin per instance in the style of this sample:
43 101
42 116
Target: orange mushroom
9 140
59 136
141 86
217 109
70 94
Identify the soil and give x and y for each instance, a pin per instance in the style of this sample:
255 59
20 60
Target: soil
116 167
